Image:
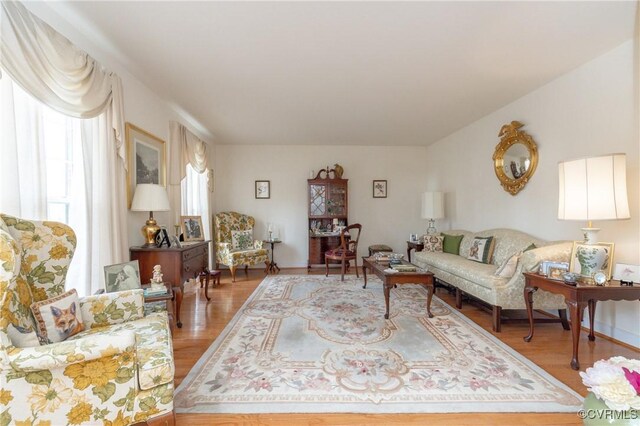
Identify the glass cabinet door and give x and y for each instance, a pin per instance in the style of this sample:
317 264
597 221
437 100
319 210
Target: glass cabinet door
337 201
318 200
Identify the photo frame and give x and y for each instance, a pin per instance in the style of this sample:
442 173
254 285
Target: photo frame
413 238
548 264
122 276
626 273
162 238
175 241
379 189
263 189
146 159
587 259
557 272
191 227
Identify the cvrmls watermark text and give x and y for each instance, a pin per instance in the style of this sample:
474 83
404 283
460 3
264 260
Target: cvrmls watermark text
609 414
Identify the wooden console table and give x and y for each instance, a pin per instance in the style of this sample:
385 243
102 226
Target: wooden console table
179 264
577 298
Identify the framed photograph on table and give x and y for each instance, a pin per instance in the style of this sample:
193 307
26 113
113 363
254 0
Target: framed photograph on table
587 259
191 227
122 276
627 274
146 159
379 189
263 189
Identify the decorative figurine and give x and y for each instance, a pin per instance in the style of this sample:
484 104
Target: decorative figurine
157 275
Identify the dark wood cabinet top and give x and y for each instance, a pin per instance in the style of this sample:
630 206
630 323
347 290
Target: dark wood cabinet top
185 246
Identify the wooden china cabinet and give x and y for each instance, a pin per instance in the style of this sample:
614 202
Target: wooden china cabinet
328 206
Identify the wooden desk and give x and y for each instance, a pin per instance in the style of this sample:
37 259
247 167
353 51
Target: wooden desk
179 264
577 298
416 245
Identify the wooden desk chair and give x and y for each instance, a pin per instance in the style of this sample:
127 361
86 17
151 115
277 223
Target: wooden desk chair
347 251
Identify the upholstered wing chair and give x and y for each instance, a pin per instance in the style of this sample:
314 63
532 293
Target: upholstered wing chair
233 255
119 370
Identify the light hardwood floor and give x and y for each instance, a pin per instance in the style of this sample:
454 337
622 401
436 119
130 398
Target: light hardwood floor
550 349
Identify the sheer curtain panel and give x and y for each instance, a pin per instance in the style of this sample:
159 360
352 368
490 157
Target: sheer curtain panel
55 72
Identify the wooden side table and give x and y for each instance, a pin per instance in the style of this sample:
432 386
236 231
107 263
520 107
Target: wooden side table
273 266
167 297
577 298
416 245
179 264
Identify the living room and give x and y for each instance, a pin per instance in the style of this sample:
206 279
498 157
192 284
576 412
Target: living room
576 98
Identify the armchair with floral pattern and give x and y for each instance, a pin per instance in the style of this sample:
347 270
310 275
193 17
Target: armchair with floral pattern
225 224
119 370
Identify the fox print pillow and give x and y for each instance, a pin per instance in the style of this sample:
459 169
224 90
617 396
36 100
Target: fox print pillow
58 318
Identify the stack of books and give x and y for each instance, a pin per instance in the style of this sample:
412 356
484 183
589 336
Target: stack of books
404 268
154 292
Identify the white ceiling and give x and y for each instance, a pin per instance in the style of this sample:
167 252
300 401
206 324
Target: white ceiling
361 73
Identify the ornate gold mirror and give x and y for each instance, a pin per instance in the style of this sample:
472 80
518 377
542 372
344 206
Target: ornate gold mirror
515 158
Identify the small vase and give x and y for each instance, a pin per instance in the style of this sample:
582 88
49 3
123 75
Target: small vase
597 413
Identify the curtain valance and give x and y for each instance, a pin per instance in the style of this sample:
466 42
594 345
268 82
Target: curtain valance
188 149
56 72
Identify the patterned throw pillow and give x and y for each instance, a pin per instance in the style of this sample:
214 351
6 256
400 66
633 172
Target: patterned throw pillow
58 318
508 268
433 243
242 240
481 249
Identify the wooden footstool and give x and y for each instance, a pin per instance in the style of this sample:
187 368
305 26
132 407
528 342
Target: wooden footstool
214 274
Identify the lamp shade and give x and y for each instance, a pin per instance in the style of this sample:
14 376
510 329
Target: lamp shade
150 197
432 205
593 188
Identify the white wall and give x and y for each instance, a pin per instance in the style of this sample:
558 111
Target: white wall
142 106
589 111
385 220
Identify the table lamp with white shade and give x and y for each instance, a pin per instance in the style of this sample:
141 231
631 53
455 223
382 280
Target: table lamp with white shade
150 197
432 209
593 188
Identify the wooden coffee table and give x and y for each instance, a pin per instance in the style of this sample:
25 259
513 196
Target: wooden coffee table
391 280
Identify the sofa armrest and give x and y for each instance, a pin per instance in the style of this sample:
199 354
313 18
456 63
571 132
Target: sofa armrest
112 308
530 260
62 354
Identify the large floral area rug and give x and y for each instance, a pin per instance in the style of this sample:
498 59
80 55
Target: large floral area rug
310 344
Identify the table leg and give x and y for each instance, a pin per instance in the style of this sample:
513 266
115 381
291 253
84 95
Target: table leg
592 314
206 287
364 272
430 290
528 299
575 309
177 296
409 254
387 290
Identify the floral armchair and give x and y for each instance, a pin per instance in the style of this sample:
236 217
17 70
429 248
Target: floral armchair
119 370
226 254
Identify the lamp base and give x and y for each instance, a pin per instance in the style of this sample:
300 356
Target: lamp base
590 235
149 231
431 230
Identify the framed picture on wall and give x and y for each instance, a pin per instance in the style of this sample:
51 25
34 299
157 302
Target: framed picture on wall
379 189
146 159
263 189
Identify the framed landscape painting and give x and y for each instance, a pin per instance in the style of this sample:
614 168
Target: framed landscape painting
146 158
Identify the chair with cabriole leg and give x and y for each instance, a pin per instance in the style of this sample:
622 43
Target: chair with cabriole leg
235 245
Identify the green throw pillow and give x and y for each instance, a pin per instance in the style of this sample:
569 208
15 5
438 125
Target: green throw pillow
451 243
531 247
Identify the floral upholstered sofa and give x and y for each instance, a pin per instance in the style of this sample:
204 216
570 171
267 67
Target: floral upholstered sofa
118 371
228 223
480 280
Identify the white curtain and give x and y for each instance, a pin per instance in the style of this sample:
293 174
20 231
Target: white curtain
51 69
